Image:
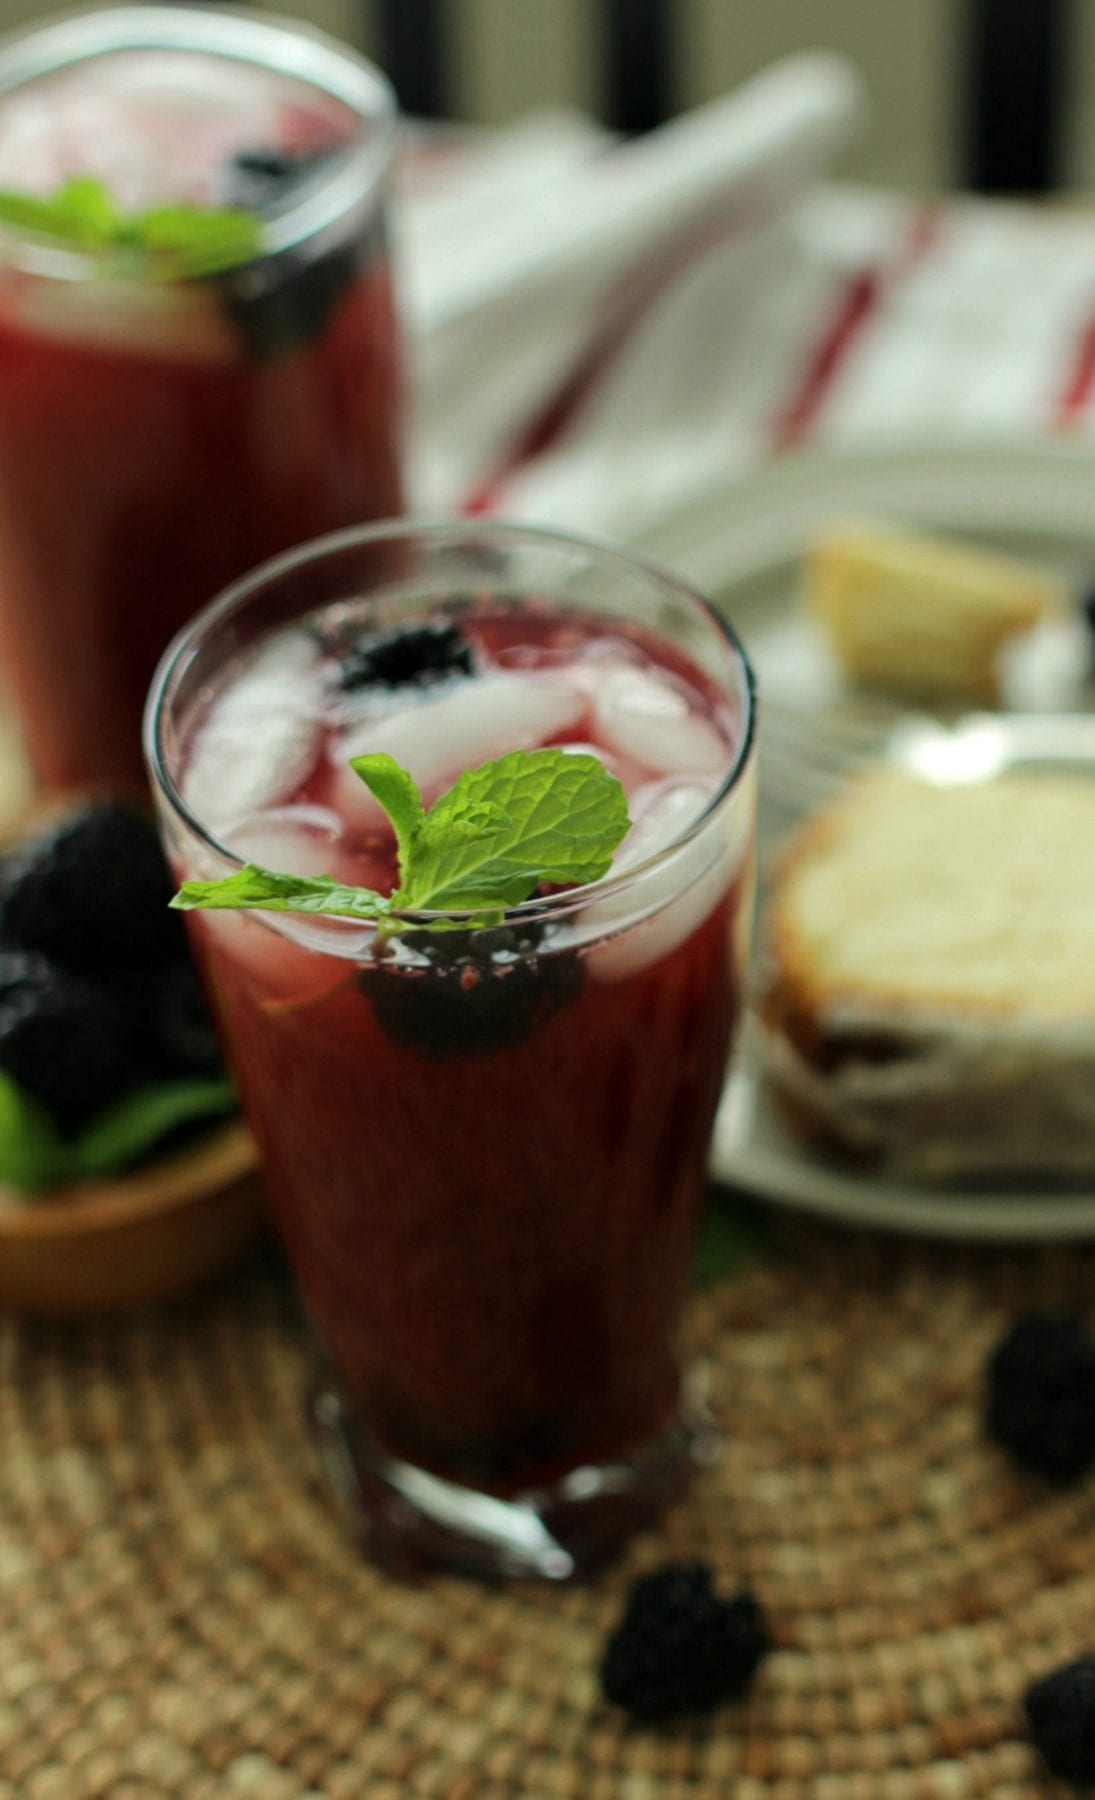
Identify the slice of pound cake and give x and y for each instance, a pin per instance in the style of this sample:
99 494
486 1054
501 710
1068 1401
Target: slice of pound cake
923 616
928 979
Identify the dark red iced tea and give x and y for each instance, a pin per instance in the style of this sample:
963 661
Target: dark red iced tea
486 1148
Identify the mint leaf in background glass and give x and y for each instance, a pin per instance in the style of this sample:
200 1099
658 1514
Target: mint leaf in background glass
191 241
81 212
501 830
167 242
34 1157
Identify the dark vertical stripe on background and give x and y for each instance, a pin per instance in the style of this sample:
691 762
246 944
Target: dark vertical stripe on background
1014 94
637 63
412 55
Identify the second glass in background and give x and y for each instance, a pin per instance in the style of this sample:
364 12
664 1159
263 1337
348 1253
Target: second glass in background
159 436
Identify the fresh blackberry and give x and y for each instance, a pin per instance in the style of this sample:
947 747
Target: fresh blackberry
406 655
20 967
173 1021
1060 1711
92 894
679 1648
1040 1403
62 1040
479 991
261 178
285 300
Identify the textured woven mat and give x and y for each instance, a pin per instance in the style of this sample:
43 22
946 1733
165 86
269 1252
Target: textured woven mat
180 1613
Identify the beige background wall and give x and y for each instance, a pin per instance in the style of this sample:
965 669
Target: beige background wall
510 55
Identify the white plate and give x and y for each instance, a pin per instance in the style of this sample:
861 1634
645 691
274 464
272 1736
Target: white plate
743 546
755 1151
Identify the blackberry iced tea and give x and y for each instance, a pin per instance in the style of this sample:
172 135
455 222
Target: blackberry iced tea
485 1147
163 430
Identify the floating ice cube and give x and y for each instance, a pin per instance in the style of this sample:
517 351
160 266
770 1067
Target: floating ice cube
262 736
466 724
628 774
279 950
156 129
662 811
646 717
593 657
673 899
164 320
297 840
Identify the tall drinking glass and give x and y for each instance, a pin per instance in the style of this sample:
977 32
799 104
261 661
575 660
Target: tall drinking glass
169 416
485 1148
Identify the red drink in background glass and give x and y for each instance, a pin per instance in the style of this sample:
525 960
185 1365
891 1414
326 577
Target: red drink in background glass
158 438
485 1149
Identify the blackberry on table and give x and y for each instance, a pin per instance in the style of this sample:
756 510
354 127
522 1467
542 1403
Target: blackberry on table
479 991
63 1041
1040 1403
406 655
92 893
1060 1710
679 1648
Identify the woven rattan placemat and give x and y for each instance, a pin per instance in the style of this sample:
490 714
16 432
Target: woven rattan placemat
181 1614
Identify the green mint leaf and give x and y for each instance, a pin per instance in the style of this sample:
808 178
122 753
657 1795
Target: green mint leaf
181 242
89 210
34 1157
397 794
533 816
131 1128
32 1153
263 890
81 212
553 817
191 241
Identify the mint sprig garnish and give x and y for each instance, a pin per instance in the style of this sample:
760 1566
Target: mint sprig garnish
531 817
169 242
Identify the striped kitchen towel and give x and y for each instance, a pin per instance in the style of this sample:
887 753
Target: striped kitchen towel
603 332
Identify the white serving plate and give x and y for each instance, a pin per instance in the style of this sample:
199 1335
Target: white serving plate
743 545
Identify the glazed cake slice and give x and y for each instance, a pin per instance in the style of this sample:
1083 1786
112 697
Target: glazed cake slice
920 615
929 977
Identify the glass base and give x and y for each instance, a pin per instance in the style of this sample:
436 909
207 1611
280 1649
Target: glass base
413 1522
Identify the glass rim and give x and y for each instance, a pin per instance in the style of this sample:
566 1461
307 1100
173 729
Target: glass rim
294 48
179 652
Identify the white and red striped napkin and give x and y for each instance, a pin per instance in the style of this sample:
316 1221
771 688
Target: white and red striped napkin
601 331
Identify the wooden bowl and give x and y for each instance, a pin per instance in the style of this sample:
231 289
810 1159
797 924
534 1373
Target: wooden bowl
151 1235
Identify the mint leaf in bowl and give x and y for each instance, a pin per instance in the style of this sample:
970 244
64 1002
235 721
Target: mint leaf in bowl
36 1157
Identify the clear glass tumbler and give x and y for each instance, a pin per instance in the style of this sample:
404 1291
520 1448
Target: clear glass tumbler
486 1151
166 424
